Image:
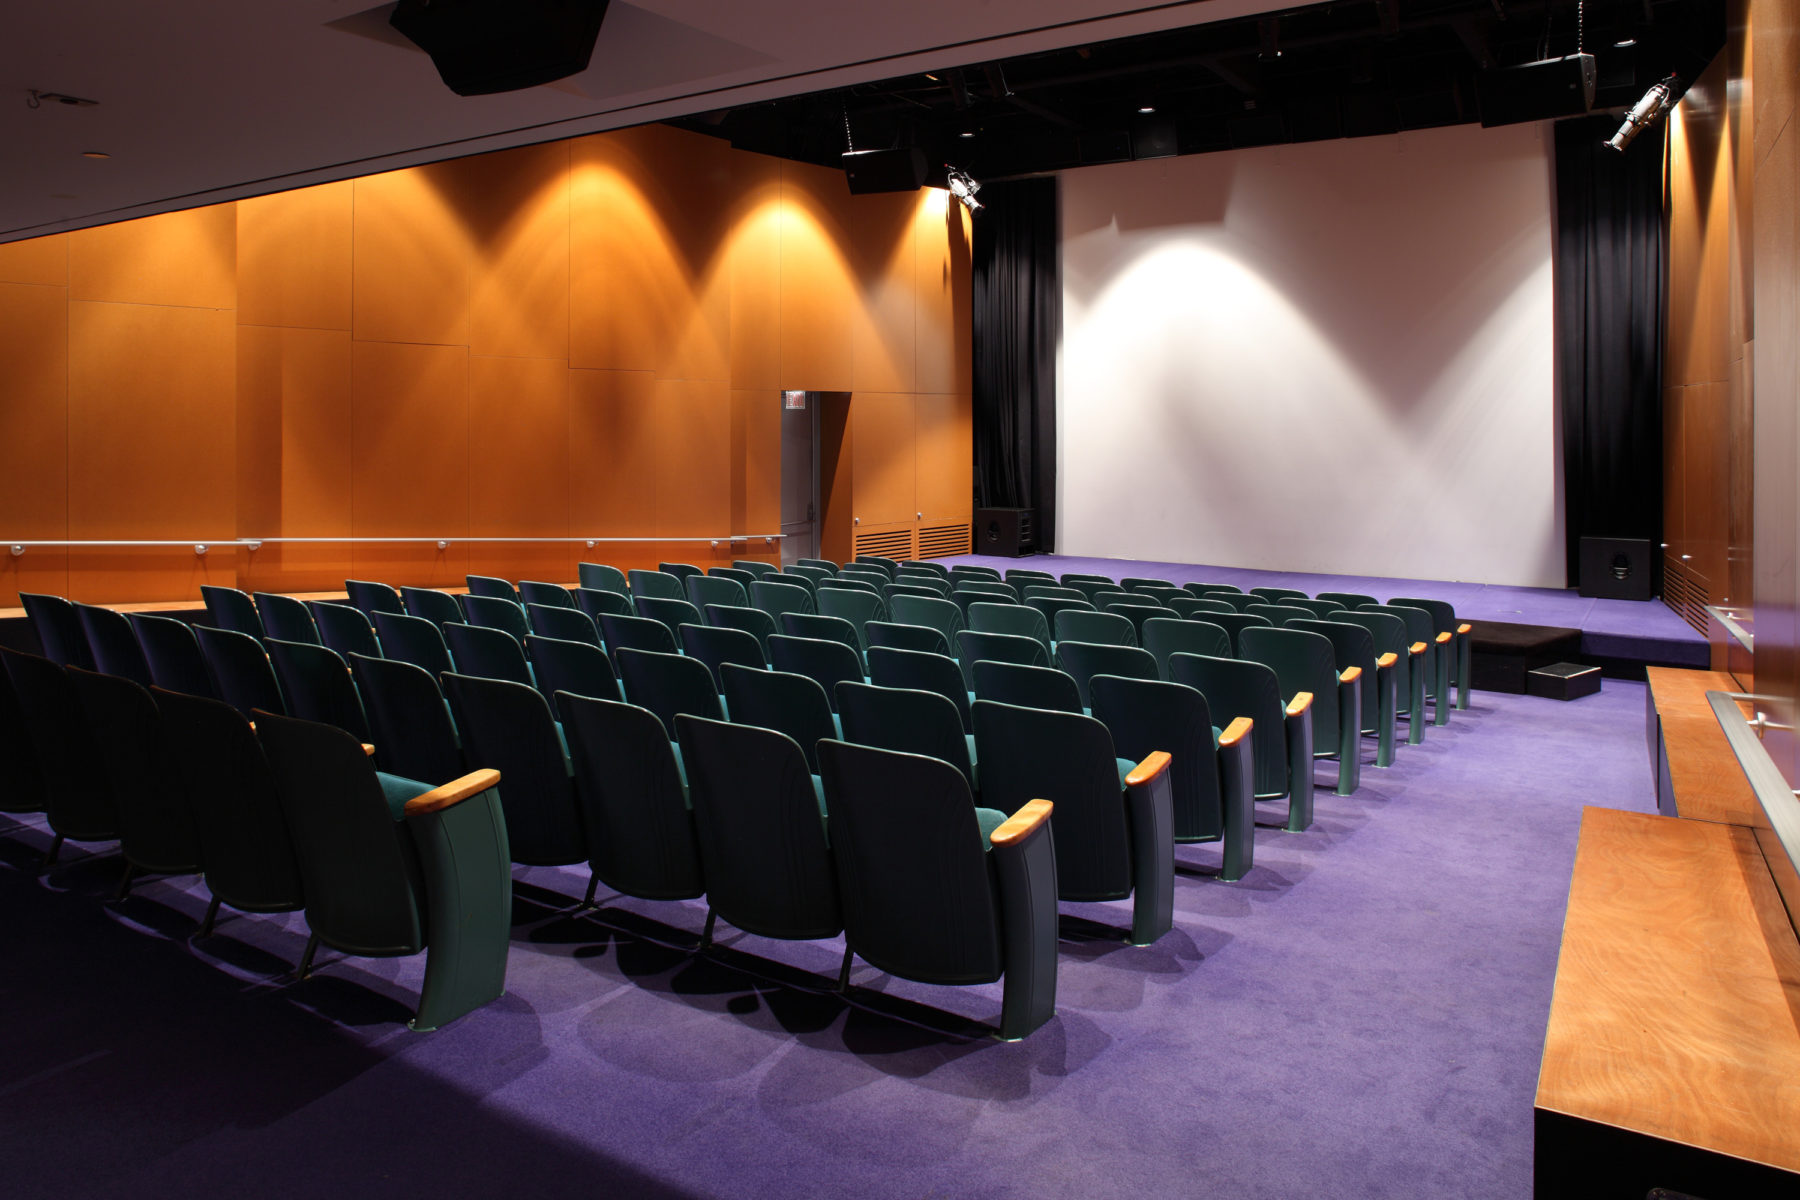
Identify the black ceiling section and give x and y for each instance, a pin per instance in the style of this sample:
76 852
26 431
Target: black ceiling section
1347 69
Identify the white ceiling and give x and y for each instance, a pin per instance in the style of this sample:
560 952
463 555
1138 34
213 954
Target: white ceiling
208 100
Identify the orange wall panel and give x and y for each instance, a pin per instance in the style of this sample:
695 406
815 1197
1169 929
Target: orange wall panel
410 459
152 445
180 258
760 457
818 279
515 205
944 297
945 473
414 258
692 440
293 257
755 262
884 324
882 454
519 481
36 260
612 456
34 491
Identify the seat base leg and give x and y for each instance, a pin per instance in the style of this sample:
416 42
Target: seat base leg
212 915
706 935
56 846
306 960
843 983
124 888
587 901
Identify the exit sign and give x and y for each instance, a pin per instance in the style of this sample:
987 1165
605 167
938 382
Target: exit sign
794 400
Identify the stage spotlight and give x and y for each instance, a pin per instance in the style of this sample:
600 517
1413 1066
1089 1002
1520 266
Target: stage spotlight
963 187
1657 101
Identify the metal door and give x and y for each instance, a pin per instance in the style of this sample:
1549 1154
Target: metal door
799 476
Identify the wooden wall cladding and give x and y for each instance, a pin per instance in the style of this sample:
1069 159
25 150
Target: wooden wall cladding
583 339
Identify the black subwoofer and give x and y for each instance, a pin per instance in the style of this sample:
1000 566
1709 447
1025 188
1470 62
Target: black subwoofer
1618 568
1007 531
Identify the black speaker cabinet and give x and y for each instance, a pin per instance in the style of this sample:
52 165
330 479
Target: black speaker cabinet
885 171
1537 91
1617 568
484 46
1007 531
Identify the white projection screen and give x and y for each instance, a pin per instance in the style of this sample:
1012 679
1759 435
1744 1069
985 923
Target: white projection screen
1331 357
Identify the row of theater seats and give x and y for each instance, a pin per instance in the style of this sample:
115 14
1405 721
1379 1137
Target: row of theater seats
980 699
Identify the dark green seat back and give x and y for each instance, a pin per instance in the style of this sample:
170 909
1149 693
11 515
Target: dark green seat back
242 676
1027 687
173 655
762 838
1235 688
1185 605
1054 606
113 645
156 827
78 802
1145 716
1131 582
1234 623
715 645
987 587
1031 754
228 608
346 629
492 587
597 602
602 578
974 571
1278 595
1389 634
855 606
775 598
815 575
367 595
886 566
1020 620
703 590
1071 578
737 575
1419 628
924 671
794 705
1443 613
1318 608
805 583
912 865
891 590
1000 647
545 595
1083 660
753 621
667 684
1045 591
491 612
900 636
827 662
564 624
1137 614
1279 614
315 683
1164 636
1350 600
655 583
487 654
413 640
937 585
905 719
852 583
1352 646
754 567
1091 588
508 727
363 886
920 564
246 851
673 613
1212 604
1303 661
288 619
576 667
681 571
440 608
1241 601
58 629
409 723
824 564
1020 576
1210 589
635 633
823 628
640 834
1096 628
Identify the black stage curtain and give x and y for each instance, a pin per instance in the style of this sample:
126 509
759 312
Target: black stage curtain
1610 284
1016 318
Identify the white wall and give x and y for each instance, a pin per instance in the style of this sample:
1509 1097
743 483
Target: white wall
1330 357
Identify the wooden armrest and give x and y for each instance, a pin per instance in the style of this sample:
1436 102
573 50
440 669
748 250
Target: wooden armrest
1236 732
1021 823
1299 704
1442 638
1465 628
1154 764
1350 675
454 792
1416 648
369 749
1387 660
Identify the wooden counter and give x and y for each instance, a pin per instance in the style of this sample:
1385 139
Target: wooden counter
1672 1057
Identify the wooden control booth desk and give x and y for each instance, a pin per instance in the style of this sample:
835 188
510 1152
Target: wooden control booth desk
1672 1057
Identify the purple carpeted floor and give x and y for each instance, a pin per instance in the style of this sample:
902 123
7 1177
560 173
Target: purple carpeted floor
1361 1016
1646 630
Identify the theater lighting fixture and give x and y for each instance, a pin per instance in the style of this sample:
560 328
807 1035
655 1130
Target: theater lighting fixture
963 187
1657 101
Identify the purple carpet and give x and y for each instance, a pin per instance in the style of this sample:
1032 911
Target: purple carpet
1361 1016
1645 631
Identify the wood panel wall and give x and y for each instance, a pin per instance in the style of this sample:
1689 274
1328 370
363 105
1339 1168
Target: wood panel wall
583 339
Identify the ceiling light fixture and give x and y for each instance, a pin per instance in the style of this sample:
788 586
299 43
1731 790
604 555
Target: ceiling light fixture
1657 101
1624 43
963 187
1146 108
966 133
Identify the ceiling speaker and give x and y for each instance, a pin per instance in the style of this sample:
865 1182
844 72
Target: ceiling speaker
1537 91
885 171
485 46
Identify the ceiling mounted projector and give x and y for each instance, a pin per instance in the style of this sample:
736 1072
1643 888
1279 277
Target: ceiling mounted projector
485 46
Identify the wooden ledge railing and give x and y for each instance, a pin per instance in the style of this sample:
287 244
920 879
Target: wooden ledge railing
201 546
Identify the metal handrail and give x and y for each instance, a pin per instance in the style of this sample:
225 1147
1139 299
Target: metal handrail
1780 802
201 547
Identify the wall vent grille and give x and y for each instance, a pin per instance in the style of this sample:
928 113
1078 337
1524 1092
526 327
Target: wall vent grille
894 543
942 541
1686 595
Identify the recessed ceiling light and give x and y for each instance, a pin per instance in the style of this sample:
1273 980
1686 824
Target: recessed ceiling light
966 133
95 154
1624 43
1146 108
